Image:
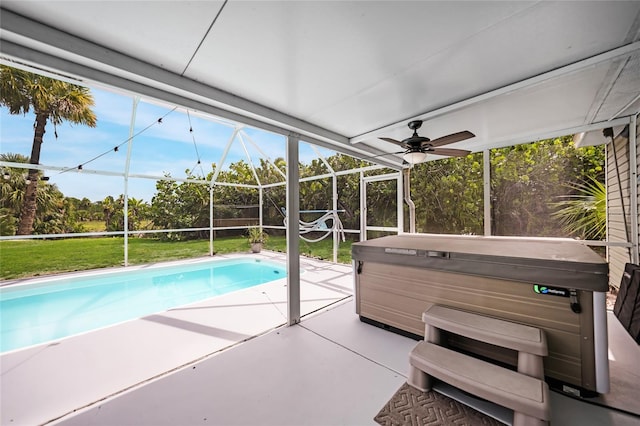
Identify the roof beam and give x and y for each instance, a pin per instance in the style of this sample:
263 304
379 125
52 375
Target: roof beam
550 134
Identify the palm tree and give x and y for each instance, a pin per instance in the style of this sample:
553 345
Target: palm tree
52 101
109 208
137 212
584 214
12 189
12 183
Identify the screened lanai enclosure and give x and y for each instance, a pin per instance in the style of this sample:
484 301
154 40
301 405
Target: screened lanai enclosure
156 170
333 125
165 172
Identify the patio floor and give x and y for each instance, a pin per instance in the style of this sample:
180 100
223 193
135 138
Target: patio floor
331 369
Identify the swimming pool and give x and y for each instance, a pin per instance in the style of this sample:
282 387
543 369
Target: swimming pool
47 310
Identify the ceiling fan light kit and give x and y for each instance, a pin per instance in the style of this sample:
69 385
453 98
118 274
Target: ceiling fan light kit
414 157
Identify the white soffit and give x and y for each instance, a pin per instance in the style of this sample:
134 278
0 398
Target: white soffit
623 97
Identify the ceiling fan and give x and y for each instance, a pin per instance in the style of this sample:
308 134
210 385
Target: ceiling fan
417 147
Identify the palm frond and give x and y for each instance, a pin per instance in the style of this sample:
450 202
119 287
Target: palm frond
584 214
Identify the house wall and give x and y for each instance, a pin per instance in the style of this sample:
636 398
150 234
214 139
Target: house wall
618 195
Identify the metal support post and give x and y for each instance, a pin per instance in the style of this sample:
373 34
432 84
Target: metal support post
336 233
261 194
400 204
486 185
293 231
407 198
211 221
633 187
363 208
134 109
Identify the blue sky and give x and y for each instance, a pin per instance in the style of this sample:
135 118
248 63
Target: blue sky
168 147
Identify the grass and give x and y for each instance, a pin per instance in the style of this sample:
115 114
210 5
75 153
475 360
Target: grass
93 226
320 250
31 258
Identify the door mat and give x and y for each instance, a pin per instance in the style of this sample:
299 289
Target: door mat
409 406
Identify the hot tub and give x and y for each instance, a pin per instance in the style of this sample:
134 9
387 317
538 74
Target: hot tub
558 285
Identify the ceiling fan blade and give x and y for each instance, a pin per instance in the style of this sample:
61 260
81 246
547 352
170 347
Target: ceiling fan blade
393 141
454 137
450 152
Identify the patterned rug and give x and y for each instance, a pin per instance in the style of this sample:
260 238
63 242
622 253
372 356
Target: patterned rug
409 406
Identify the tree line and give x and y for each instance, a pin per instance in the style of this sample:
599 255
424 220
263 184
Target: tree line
529 184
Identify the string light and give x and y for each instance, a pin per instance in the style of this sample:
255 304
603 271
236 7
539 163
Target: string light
6 175
195 146
116 148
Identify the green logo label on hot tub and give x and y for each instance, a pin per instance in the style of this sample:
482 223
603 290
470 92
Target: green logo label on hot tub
553 291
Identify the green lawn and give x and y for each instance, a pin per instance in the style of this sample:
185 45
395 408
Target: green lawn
93 226
29 258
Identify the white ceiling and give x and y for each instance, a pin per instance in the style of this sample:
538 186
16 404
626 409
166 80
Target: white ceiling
347 72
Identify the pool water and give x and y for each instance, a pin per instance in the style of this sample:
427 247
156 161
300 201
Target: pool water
49 310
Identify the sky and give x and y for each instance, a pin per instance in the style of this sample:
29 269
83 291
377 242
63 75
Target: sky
172 146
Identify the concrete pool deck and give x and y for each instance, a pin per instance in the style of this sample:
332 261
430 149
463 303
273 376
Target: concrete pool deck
49 381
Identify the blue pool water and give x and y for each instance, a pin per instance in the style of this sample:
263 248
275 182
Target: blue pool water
37 313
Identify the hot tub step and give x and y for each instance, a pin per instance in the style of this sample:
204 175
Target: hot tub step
519 392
